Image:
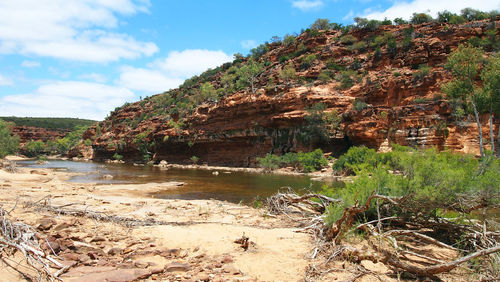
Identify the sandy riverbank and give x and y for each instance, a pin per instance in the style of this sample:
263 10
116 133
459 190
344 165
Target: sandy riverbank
194 241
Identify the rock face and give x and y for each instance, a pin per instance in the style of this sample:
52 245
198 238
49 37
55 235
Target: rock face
388 100
31 133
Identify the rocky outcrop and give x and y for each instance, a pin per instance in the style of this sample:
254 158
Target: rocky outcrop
31 133
389 100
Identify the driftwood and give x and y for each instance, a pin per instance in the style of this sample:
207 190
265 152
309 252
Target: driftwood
289 202
386 245
18 236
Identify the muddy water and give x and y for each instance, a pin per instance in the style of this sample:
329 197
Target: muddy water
199 184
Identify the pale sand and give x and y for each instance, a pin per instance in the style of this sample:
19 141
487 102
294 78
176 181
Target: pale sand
278 253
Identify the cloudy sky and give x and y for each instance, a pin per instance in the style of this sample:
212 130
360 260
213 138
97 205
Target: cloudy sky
83 58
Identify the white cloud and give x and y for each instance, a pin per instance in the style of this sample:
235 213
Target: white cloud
5 81
248 44
151 81
70 29
30 64
192 61
94 77
171 71
66 99
406 9
306 5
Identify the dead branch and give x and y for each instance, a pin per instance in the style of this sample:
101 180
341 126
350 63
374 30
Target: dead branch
290 202
18 236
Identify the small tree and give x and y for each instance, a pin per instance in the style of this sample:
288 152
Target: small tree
208 92
400 21
194 159
287 74
8 144
420 18
321 24
491 85
464 64
248 73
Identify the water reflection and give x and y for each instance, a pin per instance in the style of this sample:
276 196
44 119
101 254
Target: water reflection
199 184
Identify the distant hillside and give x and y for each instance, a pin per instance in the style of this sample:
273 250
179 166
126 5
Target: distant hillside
66 124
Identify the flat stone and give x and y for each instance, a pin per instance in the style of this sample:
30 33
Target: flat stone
115 251
229 268
116 275
375 267
98 239
226 259
46 224
177 266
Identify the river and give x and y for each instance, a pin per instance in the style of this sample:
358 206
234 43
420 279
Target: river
198 183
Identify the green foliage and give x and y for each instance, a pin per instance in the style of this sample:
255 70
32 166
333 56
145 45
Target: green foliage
194 159
305 162
307 61
473 15
359 105
288 39
332 65
400 21
321 24
117 157
367 24
359 46
259 51
269 162
449 17
348 39
247 74
318 123
420 18
287 74
347 78
34 148
355 159
8 144
423 71
325 76
434 181
50 123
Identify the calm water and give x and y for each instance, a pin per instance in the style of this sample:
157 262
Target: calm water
199 184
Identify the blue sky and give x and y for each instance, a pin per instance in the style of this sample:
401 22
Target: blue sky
83 58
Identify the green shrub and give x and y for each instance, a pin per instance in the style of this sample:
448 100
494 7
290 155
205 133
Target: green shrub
8 144
325 76
307 61
194 159
348 39
347 79
400 21
288 40
34 148
423 71
355 159
434 181
269 162
420 18
359 105
321 24
359 46
312 161
117 157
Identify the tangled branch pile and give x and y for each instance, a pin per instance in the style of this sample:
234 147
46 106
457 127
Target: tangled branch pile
21 237
401 200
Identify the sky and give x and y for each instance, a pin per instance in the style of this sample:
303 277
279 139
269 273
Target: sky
83 58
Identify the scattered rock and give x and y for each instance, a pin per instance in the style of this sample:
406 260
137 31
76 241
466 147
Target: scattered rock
141 264
229 268
46 224
98 239
107 176
177 266
226 259
114 251
375 267
122 275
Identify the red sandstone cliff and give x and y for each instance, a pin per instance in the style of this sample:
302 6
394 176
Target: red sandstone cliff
401 107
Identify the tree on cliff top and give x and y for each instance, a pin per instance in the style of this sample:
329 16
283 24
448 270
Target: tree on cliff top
248 74
465 64
490 76
8 144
